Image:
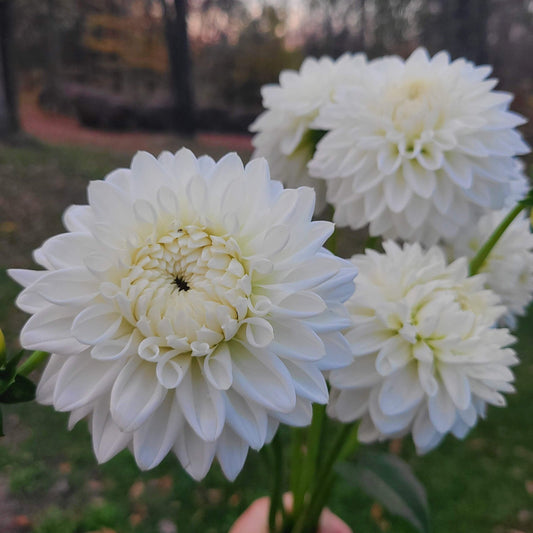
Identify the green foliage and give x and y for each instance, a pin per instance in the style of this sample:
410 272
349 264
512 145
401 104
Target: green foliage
390 480
14 388
21 390
56 521
30 477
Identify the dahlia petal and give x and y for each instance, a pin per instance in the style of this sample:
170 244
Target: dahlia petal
144 164
231 453
457 385
300 416
31 302
458 169
487 394
74 286
394 353
110 204
197 193
350 404
25 277
339 353
423 430
300 304
112 349
330 320
311 273
156 437
262 377
308 381
400 392
369 338
422 181
442 411
68 249
96 324
247 419
79 414
375 203
82 380
47 383
361 373
389 159
108 438
259 332
296 340
417 211
427 379
460 429
194 454
172 368
201 404
388 424
397 194
135 395
443 195
185 163
430 158
469 415
49 330
78 218
275 239
368 432
218 367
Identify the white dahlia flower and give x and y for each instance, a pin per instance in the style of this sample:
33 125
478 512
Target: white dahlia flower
282 131
427 357
519 185
190 307
508 268
417 147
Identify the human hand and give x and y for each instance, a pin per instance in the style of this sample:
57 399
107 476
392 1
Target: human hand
255 518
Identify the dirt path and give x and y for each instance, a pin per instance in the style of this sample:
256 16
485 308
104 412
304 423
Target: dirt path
53 128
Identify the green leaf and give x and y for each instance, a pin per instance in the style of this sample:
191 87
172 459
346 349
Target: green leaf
21 390
2 434
390 480
12 363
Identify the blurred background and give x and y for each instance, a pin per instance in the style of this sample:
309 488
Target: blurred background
199 65
86 83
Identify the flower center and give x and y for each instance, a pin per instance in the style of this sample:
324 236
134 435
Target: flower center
181 284
411 101
187 291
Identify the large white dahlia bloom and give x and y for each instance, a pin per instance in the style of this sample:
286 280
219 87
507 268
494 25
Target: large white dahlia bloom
508 268
282 131
424 144
190 307
427 357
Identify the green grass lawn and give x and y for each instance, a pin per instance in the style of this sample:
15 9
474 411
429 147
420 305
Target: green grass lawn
481 485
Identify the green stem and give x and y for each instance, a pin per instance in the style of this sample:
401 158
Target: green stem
309 461
296 468
308 518
35 360
478 260
318 503
276 503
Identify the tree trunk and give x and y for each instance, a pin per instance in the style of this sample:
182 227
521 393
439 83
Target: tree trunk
9 122
51 95
470 35
180 65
